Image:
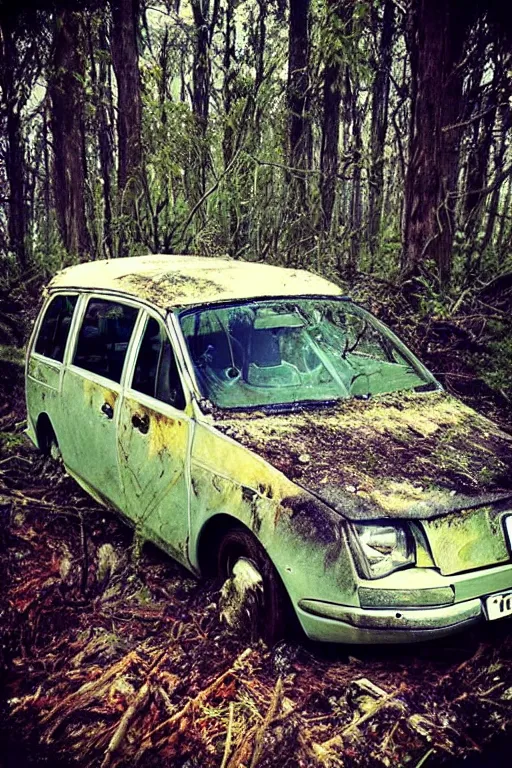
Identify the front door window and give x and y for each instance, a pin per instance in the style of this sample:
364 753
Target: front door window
156 373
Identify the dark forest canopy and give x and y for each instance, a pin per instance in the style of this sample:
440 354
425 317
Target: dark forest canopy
346 136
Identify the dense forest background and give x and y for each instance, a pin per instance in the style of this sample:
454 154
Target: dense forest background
356 138
341 135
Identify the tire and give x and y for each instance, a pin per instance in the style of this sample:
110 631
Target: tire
268 611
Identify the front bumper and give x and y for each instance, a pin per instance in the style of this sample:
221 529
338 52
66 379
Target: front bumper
329 622
405 607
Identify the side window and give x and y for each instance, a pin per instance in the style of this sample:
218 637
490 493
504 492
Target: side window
54 331
104 337
156 373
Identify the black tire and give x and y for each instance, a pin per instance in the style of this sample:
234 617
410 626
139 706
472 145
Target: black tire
274 608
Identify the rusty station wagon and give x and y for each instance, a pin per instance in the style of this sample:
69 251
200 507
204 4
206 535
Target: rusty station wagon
258 425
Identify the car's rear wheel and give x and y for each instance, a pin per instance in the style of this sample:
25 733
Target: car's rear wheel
253 598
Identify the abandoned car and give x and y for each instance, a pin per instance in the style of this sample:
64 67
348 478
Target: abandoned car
260 426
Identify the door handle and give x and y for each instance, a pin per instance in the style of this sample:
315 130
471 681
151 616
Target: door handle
107 409
141 422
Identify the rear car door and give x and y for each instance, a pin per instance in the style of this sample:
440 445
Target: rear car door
46 363
153 441
90 395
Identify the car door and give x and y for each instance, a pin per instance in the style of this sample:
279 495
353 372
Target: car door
153 441
91 388
46 363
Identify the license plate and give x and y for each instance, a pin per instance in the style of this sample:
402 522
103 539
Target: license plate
498 606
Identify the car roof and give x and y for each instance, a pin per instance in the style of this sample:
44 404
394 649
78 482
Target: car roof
175 281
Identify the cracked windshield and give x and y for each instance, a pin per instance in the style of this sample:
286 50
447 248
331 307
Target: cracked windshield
294 351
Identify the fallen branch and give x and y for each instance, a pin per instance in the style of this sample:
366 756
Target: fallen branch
271 711
86 693
227 747
126 720
198 700
321 750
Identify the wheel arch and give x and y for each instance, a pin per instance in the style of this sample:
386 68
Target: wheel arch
209 538
45 433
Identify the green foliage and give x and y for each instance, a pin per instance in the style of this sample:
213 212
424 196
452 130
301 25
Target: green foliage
495 367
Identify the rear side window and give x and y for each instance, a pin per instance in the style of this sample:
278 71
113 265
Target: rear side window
104 337
54 331
156 373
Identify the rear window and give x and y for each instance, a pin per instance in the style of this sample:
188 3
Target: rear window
54 331
104 338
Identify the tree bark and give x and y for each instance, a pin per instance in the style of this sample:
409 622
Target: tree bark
356 213
505 114
14 154
483 131
438 31
379 126
299 121
329 151
67 97
125 60
229 77
102 97
204 23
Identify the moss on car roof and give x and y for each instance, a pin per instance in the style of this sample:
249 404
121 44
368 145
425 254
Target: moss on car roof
169 281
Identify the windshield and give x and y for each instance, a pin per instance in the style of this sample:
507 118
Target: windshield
288 351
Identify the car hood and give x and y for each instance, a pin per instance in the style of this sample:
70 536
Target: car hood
407 455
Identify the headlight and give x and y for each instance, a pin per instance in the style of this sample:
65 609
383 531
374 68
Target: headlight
382 549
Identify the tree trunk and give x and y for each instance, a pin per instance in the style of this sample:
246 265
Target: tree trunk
125 60
483 130
438 31
102 97
201 76
299 121
356 214
259 42
506 123
105 137
379 125
504 227
227 86
329 151
67 97
14 154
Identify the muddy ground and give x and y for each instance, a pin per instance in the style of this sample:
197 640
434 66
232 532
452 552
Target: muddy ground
112 656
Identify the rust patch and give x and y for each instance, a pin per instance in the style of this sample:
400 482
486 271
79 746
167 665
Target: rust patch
162 436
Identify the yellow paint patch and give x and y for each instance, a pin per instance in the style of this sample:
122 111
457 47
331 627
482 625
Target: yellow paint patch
467 540
96 394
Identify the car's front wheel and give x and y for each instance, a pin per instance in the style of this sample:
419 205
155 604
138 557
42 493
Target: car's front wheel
253 599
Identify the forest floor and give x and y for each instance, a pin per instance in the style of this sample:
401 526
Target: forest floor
110 657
